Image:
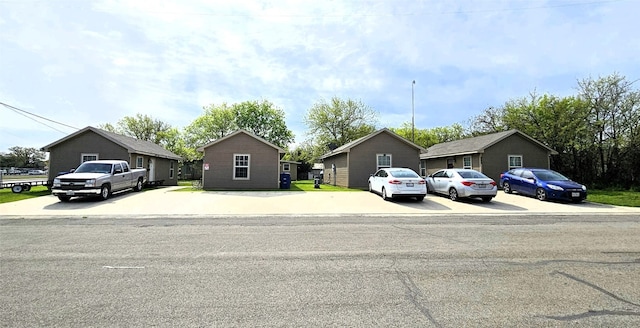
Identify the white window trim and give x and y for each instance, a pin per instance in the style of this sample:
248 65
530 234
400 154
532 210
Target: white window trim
82 156
378 166
248 167
509 161
139 162
286 167
470 166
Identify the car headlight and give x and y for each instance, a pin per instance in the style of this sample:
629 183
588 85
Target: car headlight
554 187
56 182
584 188
90 183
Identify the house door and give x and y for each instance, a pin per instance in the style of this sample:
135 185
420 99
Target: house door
151 170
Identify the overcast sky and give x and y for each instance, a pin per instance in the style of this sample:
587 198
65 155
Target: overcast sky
82 63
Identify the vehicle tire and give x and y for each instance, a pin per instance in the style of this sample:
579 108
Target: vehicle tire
420 198
486 199
138 186
64 199
105 191
384 194
453 194
541 194
26 187
16 189
506 187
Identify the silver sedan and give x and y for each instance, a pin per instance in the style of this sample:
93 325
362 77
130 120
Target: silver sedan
457 183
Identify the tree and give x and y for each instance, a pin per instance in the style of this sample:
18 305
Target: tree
23 157
429 137
340 121
141 127
216 122
263 119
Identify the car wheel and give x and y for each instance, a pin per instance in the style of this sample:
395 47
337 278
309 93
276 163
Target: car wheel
420 198
541 194
486 199
384 194
138 186
506 187
104 192
453 194
64 199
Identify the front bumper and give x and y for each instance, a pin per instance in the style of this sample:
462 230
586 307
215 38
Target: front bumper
568 195
78 192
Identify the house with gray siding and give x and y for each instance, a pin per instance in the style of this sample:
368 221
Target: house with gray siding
291 168
241 161
490 154
351 164
92 144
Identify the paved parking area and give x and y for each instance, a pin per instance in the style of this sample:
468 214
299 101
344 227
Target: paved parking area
168 201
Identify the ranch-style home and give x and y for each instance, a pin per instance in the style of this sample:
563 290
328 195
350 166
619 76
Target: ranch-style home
490 154
351 164
241 161
93 144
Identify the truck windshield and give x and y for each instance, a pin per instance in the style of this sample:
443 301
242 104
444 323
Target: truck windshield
93 168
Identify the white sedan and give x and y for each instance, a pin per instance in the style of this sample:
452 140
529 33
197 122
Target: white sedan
395 182
457 183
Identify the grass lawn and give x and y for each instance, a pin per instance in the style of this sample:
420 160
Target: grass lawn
301 185
613 197
7 196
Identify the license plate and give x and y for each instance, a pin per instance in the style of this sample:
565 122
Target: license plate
409 184
481 186
70 193
575 194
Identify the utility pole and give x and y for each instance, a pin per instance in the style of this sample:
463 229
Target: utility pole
413 115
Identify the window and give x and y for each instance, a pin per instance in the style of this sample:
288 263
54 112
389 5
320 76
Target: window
241 166
466 162
515 161
383 160
171 169
286 167
125 167
88 157
139 162
423 169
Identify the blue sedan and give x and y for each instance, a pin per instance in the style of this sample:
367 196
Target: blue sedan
543 184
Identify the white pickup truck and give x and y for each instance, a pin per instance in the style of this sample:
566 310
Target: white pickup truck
98 178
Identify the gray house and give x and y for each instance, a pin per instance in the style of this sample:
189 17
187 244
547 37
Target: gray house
290 167
490 154
241 160
351 165
92 144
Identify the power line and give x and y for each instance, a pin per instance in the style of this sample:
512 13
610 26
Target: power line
26 114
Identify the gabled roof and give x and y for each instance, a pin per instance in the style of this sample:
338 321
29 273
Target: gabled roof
132 145
347 147
475 145
229 136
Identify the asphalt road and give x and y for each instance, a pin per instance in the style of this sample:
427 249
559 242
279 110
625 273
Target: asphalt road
317 271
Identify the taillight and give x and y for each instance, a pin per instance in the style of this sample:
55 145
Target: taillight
493 183
422 182
395 182
467 183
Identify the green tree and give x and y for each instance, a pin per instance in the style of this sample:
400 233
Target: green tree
339 121
142 127
216 122
263 119
24 157
429 137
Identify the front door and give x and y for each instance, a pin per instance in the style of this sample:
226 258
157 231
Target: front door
152 170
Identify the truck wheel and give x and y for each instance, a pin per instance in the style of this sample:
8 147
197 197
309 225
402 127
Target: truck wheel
138 186
26 187
64 199
16 189
104 192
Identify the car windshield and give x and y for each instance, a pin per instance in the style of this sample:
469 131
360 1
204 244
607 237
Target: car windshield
550 176
93 168
403 174
472 175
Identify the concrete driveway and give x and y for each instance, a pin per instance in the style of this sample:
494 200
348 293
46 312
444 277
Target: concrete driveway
167 201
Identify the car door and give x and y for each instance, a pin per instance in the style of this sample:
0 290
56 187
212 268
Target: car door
515 180
527 183
376 181
439 178
118 179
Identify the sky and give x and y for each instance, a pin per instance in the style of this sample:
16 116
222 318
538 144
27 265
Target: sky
78 63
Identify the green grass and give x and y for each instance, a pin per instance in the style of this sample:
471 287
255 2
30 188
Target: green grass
6 195
615 197
301 185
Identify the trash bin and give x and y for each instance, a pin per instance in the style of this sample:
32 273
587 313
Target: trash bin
285 181
316 183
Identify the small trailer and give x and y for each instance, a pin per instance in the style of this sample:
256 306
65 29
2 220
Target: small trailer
20 186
